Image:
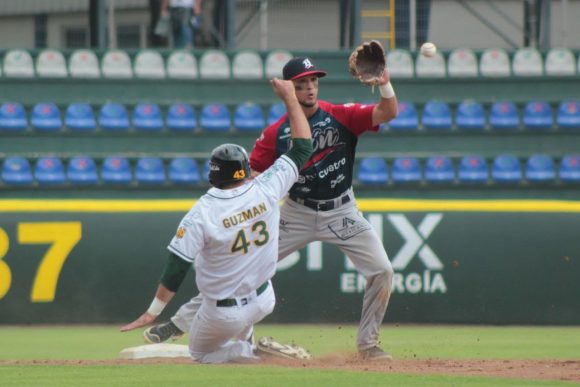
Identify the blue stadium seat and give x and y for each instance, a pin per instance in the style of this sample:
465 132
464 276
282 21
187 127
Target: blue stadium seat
80 117
181 118
82 170
436 115
13 117
249 117
215 117
275 112
114 117
205 174
504 115
506 169
470 115
46 117
570 169
150 170
538 115
16 171
439 169
373 170
540 168
116 170
49 171
406 170
473 169
407 119
568 116
147 117
183 170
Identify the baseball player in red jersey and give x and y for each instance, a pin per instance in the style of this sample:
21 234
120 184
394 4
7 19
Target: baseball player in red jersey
321 205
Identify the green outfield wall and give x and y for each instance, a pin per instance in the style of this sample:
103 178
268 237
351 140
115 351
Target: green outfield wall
491 261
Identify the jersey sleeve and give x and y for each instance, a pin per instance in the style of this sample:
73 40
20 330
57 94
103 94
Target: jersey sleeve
264 152
189 238
277 180
358 118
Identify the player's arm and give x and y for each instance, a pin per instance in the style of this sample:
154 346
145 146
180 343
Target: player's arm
301 148
175 271
387 108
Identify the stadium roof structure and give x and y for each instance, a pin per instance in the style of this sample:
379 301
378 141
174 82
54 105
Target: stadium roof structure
28 7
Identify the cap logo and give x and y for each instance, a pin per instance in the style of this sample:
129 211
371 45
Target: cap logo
307 63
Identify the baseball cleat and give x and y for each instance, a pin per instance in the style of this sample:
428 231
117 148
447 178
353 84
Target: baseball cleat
270 347
374 354
162 332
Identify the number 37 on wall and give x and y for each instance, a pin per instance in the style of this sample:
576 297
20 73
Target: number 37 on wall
62 238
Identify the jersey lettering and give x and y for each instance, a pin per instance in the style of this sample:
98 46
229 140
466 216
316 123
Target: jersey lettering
241 241
244 216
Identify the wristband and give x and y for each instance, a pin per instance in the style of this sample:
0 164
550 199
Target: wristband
156 307
387 90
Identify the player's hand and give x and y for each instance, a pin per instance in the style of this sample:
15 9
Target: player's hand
284 89
143 320
385 77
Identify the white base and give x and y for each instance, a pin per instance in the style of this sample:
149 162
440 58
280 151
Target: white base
155 350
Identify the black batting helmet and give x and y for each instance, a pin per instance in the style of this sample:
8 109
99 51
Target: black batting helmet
228 164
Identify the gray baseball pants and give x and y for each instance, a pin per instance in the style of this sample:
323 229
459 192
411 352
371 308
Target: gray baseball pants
346 228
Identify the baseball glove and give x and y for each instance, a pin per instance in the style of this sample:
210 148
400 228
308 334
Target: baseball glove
367 62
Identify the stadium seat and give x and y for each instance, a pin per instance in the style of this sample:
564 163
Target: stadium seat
51 64
433 67
114 117
116 170
569 170
249 116
504 115
116 64
470 115
406 170
473 169
560 62
214 64
205 173
182 64
275 112
46 117
373 170
80 117
407 119
18 64
82 170
528 62
439 169
568 115
247 64
181 118
436 115
150 170
16 171
495 62
84 64
49 171
147 117
462 62
400 63
275 62
540 169
183 170
149 64
13 117
215 117
506 169
538 115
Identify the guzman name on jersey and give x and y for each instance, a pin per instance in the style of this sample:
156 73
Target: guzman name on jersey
245 215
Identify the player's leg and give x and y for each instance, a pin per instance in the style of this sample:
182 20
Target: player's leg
297 228
353 234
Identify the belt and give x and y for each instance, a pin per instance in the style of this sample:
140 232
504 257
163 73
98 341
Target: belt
322 205
243 301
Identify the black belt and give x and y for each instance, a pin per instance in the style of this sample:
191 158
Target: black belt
321 205
243 301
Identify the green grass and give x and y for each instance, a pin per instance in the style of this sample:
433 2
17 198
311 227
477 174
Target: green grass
404 342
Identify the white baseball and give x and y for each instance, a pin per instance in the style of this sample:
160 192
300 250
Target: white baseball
428 49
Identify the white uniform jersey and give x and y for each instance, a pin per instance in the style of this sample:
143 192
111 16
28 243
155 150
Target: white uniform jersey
232 235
